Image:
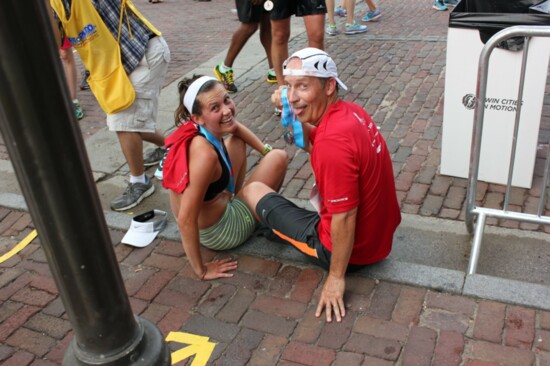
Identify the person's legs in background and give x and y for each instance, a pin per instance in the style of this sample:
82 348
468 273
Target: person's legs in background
69 64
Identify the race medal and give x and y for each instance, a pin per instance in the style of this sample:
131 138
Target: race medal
268 5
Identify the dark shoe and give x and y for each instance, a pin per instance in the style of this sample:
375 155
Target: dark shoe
84 84
153 157
226 78
133 195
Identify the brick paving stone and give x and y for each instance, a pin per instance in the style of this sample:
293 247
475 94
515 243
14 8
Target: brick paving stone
486 351
234 309
52 326
9 221
372 361
283 281
166 262
173 320
259 266
409 305
542 340
307 354
57 353
55 308
420 347
282 307
335 334
268 323
309 327
489 321
213 328
240 350
216 299
42 363
519 327
15 321
31 341
448 350
135 277
269 351
154 285
7 308
348 358
20 358
454 322
377 347
417 193
5 352
32 296
383 301
545 319
305 285
44 283
452 303
376 327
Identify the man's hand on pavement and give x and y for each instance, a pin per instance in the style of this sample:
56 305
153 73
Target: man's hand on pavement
332 298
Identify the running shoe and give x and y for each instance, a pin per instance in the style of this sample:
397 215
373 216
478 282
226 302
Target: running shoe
133 195
371 15
341 12
331 30
226 78
271 77
84 83
78 109
153 157
439 5
450 2
355 28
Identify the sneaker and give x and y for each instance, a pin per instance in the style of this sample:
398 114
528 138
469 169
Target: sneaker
84 83
355 28
341 12
271 76
439 5
78 109
371 15
153 157
331 30
133 195
450 2
158 172
226 78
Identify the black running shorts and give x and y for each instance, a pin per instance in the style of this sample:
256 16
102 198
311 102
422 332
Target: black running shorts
249 13
283 9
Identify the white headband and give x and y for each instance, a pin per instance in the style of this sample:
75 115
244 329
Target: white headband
193 90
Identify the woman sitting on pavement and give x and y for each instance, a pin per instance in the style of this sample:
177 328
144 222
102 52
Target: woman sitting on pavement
205 173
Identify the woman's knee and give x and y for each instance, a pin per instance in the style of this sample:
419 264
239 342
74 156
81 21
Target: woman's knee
278 158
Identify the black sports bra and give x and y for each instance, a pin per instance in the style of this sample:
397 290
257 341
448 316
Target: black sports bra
220 185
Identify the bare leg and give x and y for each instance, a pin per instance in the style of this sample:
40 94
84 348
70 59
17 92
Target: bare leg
371 5
238 40
351 12
271 170
253 193
132 148
69 65
315 28
330 11
280 33
153 137
265 37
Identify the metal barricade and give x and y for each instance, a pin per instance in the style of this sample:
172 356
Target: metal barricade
477 215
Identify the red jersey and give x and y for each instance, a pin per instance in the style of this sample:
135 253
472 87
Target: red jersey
353 169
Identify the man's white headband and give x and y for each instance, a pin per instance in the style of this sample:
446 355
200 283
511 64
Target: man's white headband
193 90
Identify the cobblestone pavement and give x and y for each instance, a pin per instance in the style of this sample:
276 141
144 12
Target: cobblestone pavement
264 314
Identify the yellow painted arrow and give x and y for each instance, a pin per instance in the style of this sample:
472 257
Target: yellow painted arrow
22 244
199 346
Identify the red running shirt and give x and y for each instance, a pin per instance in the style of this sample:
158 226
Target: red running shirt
353 169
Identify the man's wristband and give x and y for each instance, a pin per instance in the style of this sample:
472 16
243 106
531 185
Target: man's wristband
267 148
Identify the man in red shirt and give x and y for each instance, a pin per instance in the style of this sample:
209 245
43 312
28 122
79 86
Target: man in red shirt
357 205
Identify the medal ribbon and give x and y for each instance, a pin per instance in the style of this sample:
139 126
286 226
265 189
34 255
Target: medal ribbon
218 145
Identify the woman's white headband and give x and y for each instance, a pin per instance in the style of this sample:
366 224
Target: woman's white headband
193 90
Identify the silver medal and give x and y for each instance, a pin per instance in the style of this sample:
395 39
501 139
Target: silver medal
268 5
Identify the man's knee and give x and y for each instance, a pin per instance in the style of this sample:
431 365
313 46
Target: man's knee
280 32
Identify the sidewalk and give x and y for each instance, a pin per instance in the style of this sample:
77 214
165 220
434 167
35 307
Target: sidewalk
412 309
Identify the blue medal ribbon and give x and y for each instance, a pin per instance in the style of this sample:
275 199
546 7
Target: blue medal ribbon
218 145
288 118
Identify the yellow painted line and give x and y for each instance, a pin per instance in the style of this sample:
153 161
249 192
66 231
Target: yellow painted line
22 244
198 346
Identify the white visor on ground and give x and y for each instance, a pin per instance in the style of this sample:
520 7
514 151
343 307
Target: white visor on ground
144 228
315 62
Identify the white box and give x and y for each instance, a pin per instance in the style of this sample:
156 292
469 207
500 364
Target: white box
463 49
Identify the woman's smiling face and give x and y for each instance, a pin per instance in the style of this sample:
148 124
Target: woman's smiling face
218 111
